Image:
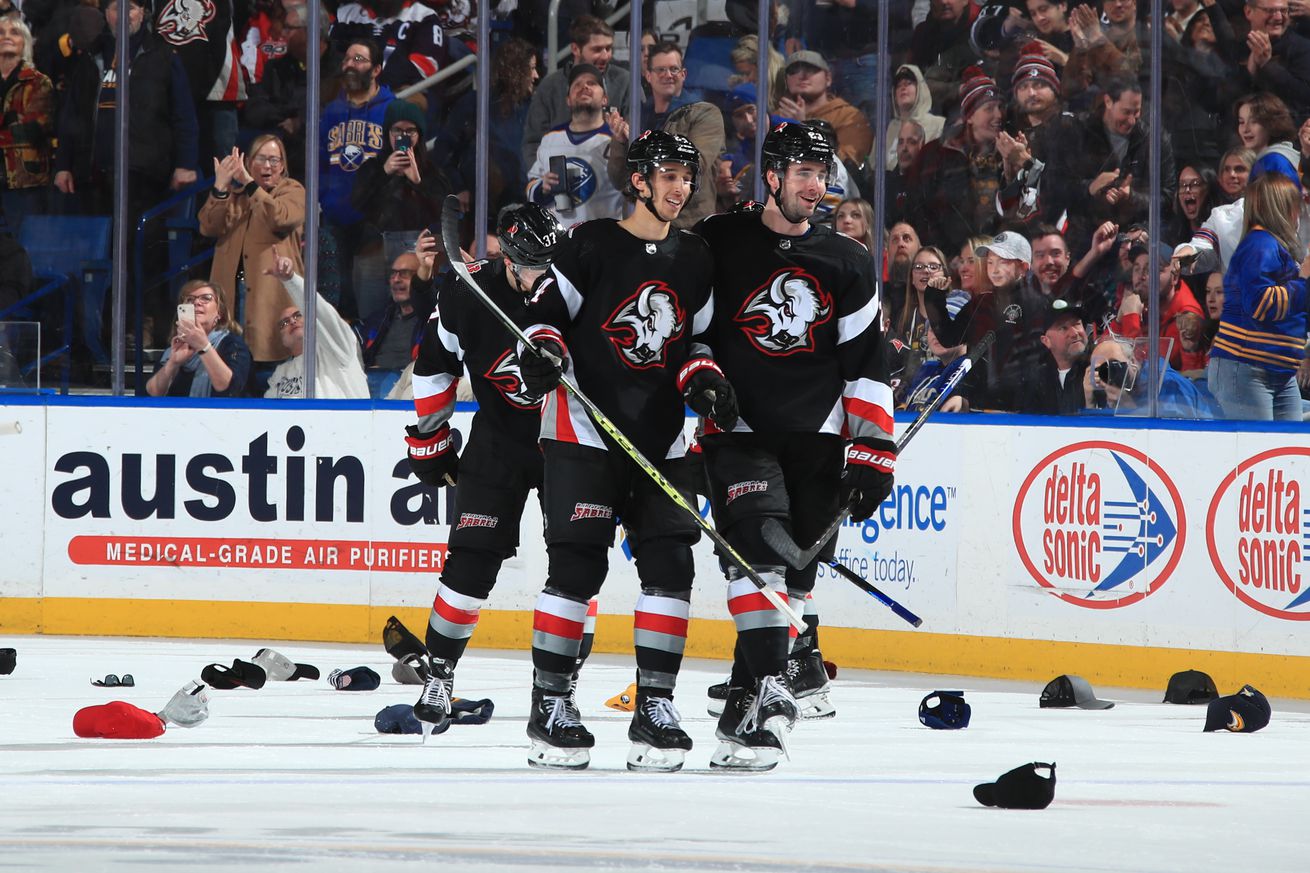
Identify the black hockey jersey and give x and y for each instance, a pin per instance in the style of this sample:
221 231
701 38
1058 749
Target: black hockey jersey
414 43
631 314
798 329
462 336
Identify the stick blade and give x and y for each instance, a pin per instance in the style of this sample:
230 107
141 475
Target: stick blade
781 542
450 216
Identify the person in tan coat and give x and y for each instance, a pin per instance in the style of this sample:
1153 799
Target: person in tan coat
253 208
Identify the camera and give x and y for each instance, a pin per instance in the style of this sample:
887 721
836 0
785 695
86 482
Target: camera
1113 372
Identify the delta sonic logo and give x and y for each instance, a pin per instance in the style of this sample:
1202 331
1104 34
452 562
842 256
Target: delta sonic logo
1258 531
1099 525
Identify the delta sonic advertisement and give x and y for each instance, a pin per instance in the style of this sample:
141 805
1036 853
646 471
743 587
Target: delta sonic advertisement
1099 525
908 548
313 506
1258 533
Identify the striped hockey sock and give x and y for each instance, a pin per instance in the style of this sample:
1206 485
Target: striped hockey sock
557 629
451 623
659 635
761 630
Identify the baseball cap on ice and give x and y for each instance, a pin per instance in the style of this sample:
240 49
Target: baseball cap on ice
398 718
944 711
1242 713
8 661
1069 690
242 674
1009 245
1021 788
280 668
1190 686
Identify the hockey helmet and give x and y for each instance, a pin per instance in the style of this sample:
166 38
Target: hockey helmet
655 147
790 142
529 234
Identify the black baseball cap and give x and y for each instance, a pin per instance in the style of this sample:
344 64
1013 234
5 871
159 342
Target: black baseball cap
1190 686
1071 691
1242 713
582 69
1060 308
1021 788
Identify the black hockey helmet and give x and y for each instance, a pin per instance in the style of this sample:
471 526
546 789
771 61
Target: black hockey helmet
791 142
529 234
655 147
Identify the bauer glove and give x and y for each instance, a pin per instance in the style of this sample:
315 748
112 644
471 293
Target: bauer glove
432 456
868 478
711 396
542 367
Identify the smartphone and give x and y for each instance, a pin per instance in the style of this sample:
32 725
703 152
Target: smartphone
187 311
559 165
403 145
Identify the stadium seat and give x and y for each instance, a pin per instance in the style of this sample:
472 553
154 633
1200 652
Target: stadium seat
72 253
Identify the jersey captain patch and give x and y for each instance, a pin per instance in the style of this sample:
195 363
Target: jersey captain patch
507 378
779 317
643 325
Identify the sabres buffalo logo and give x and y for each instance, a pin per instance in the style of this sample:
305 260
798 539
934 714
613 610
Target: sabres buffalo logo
505 375
183 21
644 325
780 316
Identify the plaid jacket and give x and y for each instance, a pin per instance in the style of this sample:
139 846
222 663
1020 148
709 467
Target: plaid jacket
26 129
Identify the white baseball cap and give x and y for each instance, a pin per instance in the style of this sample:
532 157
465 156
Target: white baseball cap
1009 245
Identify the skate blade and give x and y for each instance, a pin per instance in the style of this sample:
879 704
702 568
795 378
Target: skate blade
817 706
734 756
548 757
780 726
430 727
715 707
647 758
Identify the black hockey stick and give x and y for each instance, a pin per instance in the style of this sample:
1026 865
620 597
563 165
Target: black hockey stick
450 238
782 543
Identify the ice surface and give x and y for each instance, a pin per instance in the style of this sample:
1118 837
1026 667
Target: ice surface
294 777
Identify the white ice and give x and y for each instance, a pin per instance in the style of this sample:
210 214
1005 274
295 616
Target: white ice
294 777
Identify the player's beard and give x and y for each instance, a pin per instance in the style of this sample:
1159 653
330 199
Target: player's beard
793 208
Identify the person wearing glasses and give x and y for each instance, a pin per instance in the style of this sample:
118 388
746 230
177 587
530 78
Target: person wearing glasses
666 75
338 368
206 356
1279 58
253 209
906 344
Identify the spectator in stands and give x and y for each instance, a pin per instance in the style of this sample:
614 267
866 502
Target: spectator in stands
727 186
592 43
1043 129
971 268
809 97
1197 195
1179 311
206 356
579 148
909 142
1109 177
1054 386
1213 305
1112 381
923 387
911 102
412 35
1279 58
1262 120
514 76
338 371
203 37
1200 83
254 209
846 34
350 134
940 48
1101 53
392 334
277 101
1050 275
854 217
401 190
1051 20
906 338
1260 342
953 186
27 109
902 244
745 60
266 35
740 145
1234 170
666 77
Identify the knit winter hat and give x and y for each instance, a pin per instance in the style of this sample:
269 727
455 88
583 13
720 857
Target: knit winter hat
1035 65
403 110
976 88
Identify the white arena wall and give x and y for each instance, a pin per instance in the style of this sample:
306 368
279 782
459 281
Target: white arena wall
1030 547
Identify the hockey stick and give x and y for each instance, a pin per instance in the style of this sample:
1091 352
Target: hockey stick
450 238
782 543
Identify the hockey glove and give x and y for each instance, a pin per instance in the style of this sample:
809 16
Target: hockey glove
868 478
711 396
542 372
432 456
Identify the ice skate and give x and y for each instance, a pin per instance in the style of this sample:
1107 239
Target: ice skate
658 742
433 707
718 697
809 683
559 741
752 727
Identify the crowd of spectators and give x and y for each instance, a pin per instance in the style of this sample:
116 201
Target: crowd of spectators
1017 166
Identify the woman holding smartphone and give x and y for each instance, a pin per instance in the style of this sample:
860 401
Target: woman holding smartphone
207 356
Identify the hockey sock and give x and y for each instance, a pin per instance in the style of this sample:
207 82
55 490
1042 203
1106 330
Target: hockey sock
761 629
451 623
659 635
557 627
741 676
804 643
588 634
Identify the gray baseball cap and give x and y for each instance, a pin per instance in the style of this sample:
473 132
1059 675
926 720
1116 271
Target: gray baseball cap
1071 691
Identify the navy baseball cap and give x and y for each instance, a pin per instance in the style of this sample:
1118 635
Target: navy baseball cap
944 711
1021 788
1242 713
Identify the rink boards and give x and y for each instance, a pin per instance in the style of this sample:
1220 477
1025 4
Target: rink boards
1029 548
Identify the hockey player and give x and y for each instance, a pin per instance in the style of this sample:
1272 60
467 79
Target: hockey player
622 309
798 330
501 461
